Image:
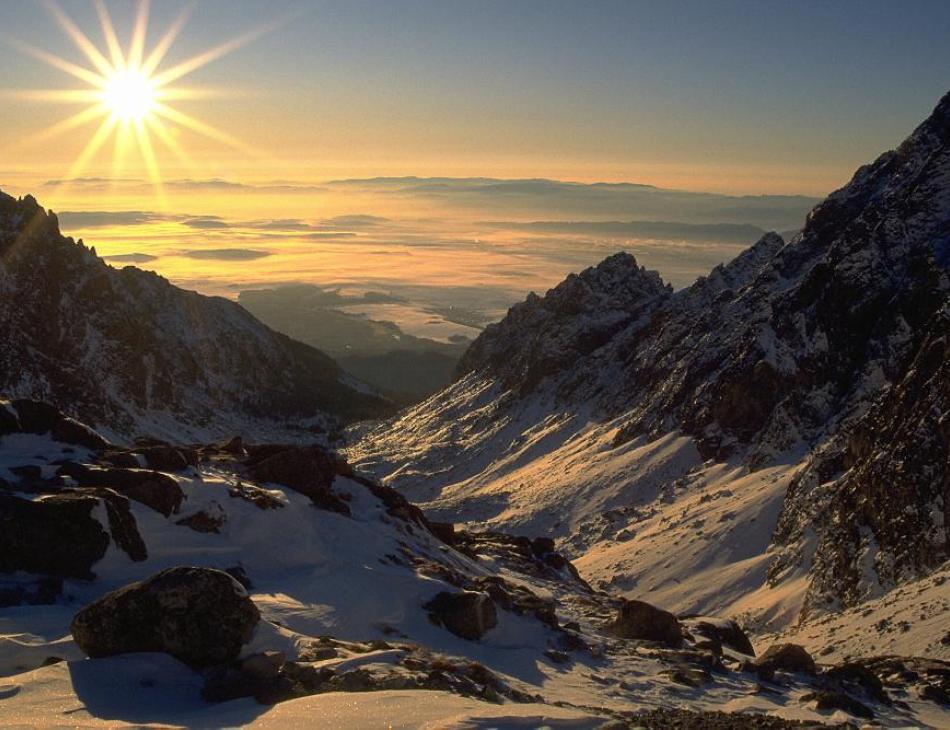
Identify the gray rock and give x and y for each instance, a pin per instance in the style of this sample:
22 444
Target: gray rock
640 620
200 616
54 535
469 614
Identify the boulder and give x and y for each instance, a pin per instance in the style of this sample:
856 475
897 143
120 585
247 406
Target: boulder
54 535
151 488
71 431
787 657
308 470
469 614
200 616
9 423
204 521
724 632
122 525
36 416
640 620
826 699
165 458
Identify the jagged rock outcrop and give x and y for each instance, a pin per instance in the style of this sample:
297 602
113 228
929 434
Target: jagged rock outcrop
200 616
125 349
546 335
877 498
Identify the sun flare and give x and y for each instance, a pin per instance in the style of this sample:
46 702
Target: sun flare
127 91
130 94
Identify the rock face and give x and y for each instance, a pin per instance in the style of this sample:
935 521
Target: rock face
55 535
879 495
544 336
126 349
200 616
640 620
469 614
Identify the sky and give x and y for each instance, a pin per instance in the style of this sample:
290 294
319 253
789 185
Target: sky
458 153
738 97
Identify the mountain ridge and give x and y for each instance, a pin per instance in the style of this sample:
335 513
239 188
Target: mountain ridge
124 347
755 368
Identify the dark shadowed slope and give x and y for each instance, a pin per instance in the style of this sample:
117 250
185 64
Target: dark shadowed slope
132 353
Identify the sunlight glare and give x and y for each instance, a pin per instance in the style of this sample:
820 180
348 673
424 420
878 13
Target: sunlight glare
130 95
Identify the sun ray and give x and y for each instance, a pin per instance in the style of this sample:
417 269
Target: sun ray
72 122
80 39
148 155
137 46
161 48
212 54
121 147
80 72
92 146
195 125
108 32
60 96
156 125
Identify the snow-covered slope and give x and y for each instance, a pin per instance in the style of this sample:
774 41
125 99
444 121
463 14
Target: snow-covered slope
655 435
131 353
343 576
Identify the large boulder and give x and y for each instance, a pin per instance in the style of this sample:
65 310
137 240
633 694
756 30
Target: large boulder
306 469
35 416
469 614
71 431
640 620
200 616
53 535
723 632
9 422
786 657
153 489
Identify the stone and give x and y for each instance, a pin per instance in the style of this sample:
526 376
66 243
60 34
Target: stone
641 620
724 632
71 431
308 470
200 616
52 535
151 488
468 614
786 657
36 416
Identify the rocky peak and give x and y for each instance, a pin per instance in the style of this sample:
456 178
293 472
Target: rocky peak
543 335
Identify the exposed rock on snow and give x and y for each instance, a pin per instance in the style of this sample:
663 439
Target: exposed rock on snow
199 616
468 614
785 657
54 535
342 600
640 620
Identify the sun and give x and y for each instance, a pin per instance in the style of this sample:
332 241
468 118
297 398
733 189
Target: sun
128 92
